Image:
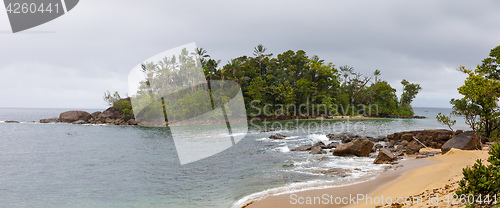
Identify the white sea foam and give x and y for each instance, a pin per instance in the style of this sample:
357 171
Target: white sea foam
293 188
283 149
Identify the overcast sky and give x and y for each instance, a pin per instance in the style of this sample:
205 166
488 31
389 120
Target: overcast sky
71 61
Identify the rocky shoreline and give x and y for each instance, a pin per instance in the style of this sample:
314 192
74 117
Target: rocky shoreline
393 147
110 116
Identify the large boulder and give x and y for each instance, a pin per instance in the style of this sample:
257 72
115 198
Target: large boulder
358 147
464 141
109 115
384 156
413 147
72 116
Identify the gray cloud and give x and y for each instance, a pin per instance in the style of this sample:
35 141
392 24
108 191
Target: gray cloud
73 60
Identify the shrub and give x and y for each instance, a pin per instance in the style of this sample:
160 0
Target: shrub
481 180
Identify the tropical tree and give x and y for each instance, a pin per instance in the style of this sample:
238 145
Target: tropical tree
259 53
376 74
480 102
202 54
346 71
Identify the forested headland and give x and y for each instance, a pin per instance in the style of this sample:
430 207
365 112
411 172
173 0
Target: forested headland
288 85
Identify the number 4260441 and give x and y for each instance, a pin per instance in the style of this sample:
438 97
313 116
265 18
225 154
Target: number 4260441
32 8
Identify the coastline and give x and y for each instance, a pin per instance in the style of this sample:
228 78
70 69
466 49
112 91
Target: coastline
285 200
417 178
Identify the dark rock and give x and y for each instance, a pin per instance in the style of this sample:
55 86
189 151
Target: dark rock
49 120
358 147
320 144
72 116
277 136
443 137
266 130
331 137
381 138
378 146
10 121
458 132
404 143
109 115
407 137
384 156
413 147
315 150
96 114
306 147
464 141
332 145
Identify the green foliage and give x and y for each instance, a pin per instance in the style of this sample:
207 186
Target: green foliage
125 108
268 83
446 120
482 180
481 91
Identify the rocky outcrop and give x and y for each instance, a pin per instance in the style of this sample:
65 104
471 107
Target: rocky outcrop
430 138
384 156
358 147
464 141
72 116
277 136
109 115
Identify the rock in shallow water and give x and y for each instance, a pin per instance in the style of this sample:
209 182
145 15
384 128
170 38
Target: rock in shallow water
358 147
384 156
277 136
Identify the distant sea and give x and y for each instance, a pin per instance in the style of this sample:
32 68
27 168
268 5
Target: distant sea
66 165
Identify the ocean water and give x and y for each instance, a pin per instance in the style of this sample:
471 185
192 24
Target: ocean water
66 165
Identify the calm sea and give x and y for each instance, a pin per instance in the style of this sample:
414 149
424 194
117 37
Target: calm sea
65 165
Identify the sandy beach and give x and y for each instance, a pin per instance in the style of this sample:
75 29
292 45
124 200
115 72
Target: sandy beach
418 183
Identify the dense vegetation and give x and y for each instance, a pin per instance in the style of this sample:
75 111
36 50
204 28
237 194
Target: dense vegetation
289 84
270 84
480 186
481 183
481 91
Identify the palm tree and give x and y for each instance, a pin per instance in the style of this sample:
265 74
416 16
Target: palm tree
259 52
376 74
202 54
347 70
